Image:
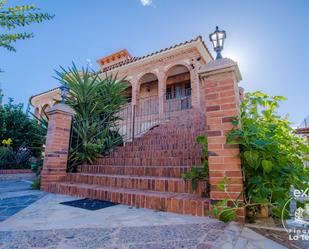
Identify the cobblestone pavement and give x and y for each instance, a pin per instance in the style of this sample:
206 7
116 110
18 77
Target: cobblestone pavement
47 224
190 236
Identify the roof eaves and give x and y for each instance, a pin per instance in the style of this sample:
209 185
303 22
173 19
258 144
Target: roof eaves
39 94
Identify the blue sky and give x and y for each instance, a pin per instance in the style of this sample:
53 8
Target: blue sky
269 40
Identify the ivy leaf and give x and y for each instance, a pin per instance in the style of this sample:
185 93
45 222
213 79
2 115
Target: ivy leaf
194 184
222 185
267 166
235 121
279 193
202 140
252 158
227 215
255 180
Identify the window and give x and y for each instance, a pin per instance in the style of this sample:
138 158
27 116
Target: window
178 90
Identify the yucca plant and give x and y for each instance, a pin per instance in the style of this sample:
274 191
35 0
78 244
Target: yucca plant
96 100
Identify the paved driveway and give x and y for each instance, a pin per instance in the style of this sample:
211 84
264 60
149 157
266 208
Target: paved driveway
34 219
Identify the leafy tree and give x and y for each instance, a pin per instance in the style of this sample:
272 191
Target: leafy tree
18 16
16 125
96 101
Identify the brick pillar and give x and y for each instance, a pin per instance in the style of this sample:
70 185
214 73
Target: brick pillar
57 144
219 80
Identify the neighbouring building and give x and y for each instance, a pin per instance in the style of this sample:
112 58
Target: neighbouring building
303 131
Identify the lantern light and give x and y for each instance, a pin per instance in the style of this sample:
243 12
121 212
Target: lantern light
64 90
217 38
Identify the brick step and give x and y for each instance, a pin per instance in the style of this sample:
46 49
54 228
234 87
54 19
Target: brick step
164 148
172 202
155 153
162 171
164 161
165 144
182 137
172 128
162 184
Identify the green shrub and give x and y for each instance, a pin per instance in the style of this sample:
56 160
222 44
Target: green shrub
272 156
37 165
36 184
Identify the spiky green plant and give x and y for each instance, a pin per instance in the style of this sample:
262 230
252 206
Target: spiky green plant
96 100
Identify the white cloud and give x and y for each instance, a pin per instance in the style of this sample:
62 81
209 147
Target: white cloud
146 2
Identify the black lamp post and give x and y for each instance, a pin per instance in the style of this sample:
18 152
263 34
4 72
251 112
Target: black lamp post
64 90
217 38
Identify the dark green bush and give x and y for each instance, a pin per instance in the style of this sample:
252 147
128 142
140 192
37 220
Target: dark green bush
20 137
10 159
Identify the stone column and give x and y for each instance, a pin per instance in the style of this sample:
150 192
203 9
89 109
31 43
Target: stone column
135 91
57 144
195 89
161 93
219 81
134 102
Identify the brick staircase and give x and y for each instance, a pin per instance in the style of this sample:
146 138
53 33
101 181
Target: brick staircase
147 172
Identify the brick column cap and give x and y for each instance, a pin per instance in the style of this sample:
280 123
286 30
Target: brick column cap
220 66
61 108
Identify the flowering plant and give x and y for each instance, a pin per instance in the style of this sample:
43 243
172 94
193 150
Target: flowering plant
7 142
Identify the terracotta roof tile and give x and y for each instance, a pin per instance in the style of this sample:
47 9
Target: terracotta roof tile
133 59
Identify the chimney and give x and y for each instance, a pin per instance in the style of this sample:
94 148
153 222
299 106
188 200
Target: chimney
112 59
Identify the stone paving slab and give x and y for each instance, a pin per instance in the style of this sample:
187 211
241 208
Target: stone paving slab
13 205
48 213
45 223
16 194
25 176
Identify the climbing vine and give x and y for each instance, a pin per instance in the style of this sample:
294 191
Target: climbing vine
198 173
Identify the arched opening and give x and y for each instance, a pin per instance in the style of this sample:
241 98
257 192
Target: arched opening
148 95
148 86
178 89
147 108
